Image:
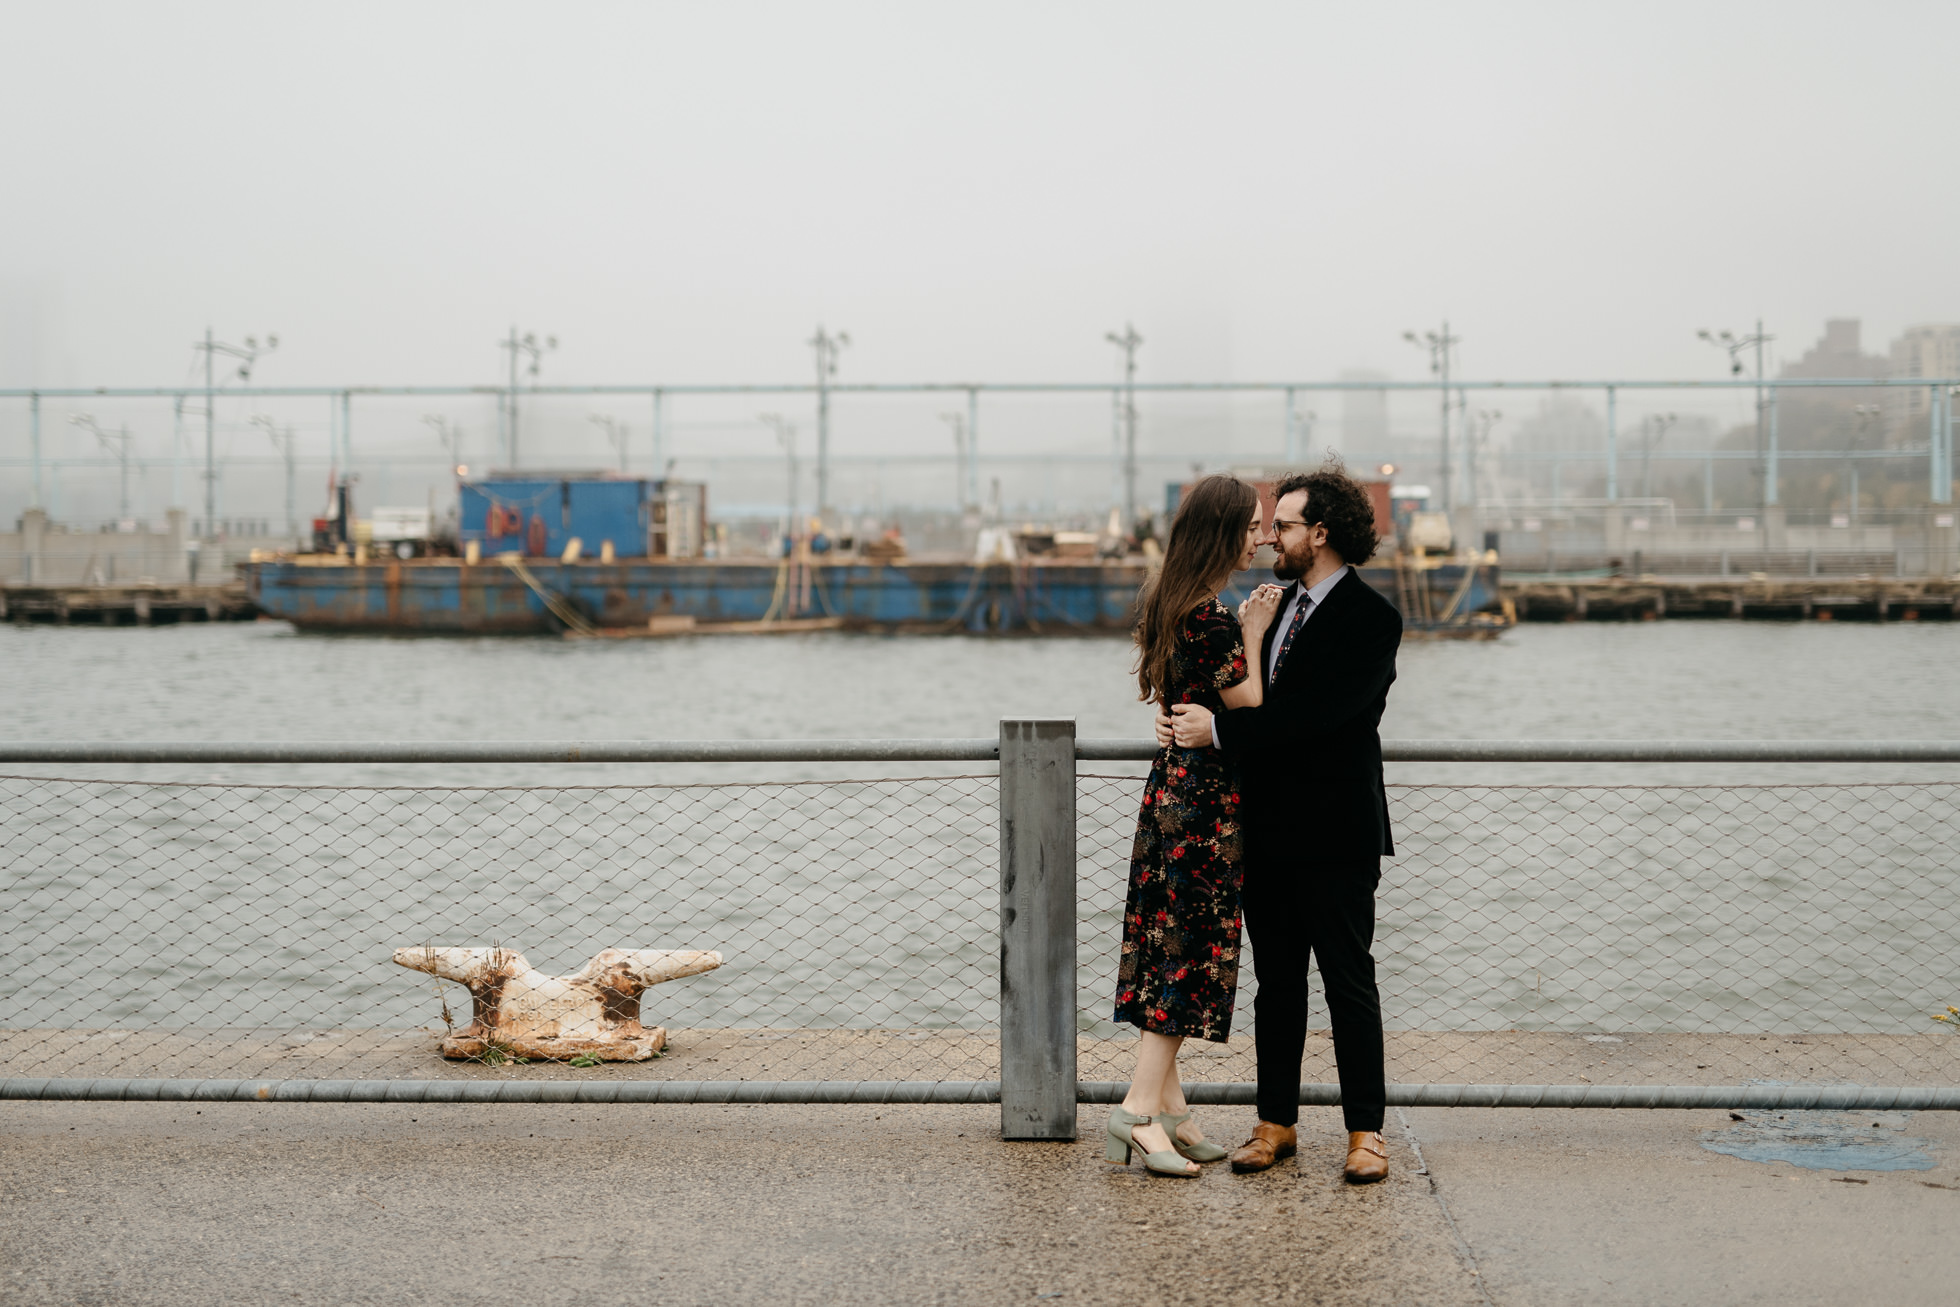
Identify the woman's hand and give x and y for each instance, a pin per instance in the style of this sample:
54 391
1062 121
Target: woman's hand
1257 612
1189 729
1191 726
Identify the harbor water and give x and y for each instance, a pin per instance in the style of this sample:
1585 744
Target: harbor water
266 682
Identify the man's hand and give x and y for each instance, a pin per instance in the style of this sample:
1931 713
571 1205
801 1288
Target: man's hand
1191 725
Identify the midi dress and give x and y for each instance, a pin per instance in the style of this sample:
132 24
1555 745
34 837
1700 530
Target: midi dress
1179 968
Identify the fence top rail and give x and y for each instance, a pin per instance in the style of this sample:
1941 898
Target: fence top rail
953 750
999 387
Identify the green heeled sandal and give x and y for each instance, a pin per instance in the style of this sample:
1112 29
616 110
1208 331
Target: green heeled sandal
1122 1143
1202 1151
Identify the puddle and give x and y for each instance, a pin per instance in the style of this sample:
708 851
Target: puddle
1824 1141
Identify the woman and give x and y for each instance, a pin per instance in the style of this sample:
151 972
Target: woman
1180 963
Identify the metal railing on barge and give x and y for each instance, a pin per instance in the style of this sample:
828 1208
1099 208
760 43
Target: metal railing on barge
952 938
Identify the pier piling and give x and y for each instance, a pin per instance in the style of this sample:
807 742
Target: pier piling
1037 929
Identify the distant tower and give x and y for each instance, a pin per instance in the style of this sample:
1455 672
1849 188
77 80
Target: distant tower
1364 418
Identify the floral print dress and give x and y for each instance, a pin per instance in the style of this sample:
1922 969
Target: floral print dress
1179 972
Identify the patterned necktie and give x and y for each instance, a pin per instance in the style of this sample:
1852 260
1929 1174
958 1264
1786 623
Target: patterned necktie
1292 630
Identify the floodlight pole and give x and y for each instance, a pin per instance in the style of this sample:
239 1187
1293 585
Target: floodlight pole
516 346
972 447
210 348
786 436
246 354
117 443
1439 344
1128 342
956 423
1734 345
827 346
283 442
617 433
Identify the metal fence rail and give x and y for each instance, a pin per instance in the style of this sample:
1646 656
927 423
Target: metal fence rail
978 749
952 939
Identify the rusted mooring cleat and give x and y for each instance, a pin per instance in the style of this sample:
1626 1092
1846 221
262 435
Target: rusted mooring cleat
522 1012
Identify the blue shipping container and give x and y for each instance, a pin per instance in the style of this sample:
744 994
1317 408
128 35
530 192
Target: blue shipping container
537 516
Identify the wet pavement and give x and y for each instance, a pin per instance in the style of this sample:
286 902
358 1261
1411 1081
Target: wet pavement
297 1203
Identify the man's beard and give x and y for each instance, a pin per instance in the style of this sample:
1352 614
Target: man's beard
1291 566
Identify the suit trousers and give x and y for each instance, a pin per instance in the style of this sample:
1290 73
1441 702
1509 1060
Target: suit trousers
1296 906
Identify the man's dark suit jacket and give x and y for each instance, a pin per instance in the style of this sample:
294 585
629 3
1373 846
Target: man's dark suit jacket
1310 756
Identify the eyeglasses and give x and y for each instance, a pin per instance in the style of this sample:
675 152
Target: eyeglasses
1280 525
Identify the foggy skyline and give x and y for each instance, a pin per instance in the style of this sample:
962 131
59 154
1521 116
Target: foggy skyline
681 195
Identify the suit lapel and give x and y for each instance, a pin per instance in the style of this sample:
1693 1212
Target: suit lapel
1318 624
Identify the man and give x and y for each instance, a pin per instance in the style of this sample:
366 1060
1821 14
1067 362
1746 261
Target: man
1316 811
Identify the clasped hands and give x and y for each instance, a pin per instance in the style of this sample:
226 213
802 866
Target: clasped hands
1189 724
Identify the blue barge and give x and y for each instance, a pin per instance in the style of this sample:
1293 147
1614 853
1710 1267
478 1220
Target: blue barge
449 596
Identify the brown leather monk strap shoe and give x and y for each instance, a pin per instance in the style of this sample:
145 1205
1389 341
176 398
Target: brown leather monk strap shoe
1367 1159
1268 1144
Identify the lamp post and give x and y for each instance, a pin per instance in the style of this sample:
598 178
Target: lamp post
1475 438
520 347
283 442
246 354
1734 346
117 443
616 432
1439 344
1128 343
1652 429
827 346
957 423
451 437
786 437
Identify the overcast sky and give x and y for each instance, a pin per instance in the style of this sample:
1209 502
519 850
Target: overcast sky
980 191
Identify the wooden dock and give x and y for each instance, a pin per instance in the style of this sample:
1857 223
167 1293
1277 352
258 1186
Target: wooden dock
1788 599
126 605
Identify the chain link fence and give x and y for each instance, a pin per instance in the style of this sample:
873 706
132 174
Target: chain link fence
1617 934
184 931
1528 934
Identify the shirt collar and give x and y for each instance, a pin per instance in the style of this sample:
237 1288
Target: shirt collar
1318 595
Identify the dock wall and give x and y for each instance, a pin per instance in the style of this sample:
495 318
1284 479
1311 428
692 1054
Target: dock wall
44 553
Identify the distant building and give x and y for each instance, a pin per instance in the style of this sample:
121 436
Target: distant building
1832 417
1839 354
1364 416
1928 350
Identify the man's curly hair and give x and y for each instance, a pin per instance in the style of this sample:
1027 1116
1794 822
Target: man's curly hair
1341 504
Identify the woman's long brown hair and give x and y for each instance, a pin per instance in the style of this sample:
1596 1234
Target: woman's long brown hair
1206 542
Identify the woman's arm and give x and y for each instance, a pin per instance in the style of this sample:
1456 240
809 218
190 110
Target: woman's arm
1255 617
1246 694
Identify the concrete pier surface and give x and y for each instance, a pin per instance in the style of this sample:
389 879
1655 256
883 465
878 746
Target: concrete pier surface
286 1203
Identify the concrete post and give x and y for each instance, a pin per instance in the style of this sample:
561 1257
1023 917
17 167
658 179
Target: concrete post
1776 527
1613 528
179 563
1037 929
33 537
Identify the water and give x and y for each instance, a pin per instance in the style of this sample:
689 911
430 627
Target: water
263 681
1824 1141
